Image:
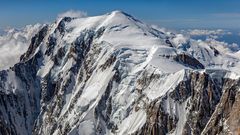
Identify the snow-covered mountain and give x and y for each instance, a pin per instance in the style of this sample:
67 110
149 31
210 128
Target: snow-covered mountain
113 74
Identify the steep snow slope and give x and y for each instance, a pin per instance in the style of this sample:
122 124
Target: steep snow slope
113 74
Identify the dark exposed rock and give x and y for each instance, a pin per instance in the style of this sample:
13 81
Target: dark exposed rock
61 25
81 48
188 61
48 88
145 80
99 32
50 45
109 62
216 52
104 107
169 43
226 112
57 59
158 121
205 95
35 42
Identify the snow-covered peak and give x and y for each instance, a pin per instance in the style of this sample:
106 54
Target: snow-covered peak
118 26
123 32
112 74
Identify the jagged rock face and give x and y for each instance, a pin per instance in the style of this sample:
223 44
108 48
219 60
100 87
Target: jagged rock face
35 42
103 75
197 97
20 104
226 115
192 62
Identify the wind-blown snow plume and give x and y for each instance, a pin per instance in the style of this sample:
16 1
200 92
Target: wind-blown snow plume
73 13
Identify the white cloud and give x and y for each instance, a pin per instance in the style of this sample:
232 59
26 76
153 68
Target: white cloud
180 39
223 46
227 15
73 13
212 37
205 32
14 43
162 29
198 32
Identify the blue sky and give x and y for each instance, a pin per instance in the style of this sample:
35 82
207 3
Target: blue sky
165 13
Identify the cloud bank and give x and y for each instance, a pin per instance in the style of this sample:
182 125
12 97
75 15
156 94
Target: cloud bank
205 32
14 43
227 47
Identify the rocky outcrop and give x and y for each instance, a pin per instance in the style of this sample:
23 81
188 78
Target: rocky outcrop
20 105
225 118
35 42
189 61
208 103
159 122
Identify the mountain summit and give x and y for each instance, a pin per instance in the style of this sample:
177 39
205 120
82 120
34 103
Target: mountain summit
113 74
